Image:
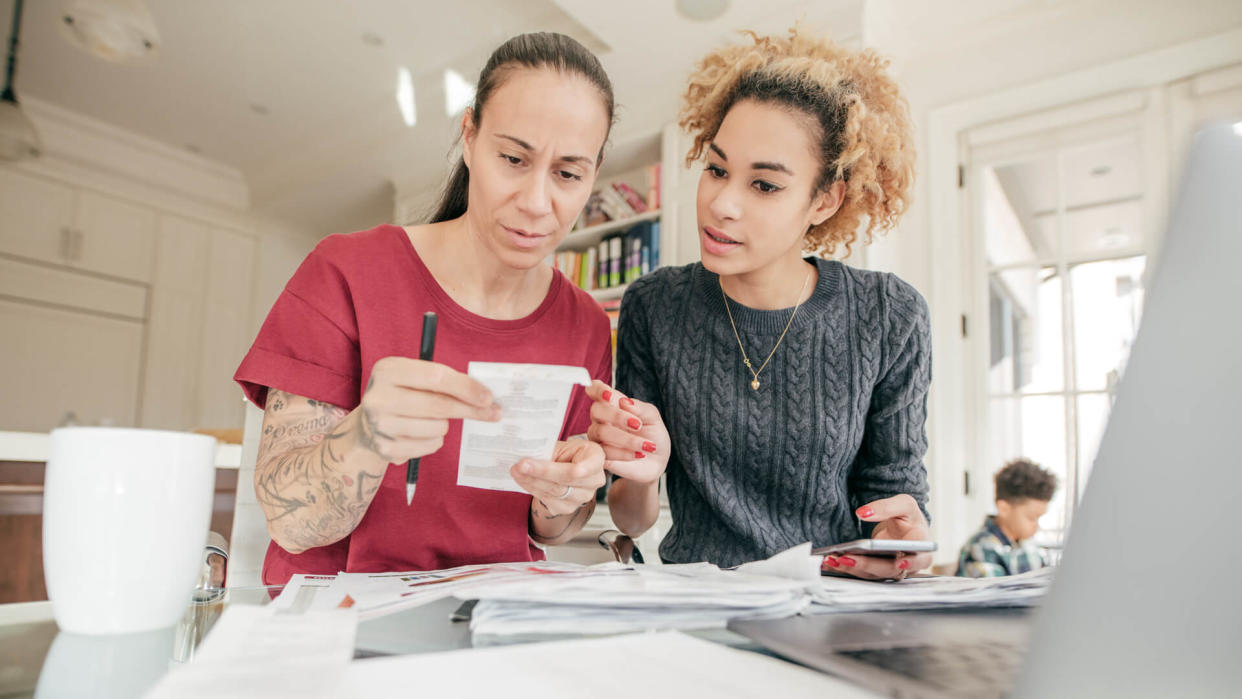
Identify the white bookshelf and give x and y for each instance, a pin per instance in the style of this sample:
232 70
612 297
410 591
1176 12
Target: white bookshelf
584 238
627 162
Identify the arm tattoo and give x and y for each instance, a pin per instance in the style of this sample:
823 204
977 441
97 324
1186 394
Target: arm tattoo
307 490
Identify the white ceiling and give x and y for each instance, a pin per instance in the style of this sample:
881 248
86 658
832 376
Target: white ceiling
330 145
1102 183
330 142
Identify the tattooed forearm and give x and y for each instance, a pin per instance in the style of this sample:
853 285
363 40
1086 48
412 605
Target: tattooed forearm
310 479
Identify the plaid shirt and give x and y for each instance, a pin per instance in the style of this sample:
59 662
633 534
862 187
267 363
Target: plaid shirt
989 553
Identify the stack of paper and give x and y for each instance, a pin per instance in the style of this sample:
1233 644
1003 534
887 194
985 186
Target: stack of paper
695 596
556 598
840 594
377 594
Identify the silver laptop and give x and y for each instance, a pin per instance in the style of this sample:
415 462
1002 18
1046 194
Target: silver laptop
1148 598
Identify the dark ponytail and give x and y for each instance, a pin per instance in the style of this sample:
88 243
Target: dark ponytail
538 50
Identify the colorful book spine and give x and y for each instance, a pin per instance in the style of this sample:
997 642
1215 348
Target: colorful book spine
653 186
614 260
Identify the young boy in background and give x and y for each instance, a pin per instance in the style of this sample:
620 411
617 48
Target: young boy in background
1004 545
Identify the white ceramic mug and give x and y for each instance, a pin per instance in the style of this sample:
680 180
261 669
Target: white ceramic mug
125 517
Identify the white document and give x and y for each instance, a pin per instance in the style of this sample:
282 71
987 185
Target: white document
795 563
255 651
308 592
533 399
665 664
841 594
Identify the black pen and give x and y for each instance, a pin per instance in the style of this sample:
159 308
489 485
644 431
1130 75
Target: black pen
426 348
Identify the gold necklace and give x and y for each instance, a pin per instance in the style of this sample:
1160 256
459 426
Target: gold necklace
754 384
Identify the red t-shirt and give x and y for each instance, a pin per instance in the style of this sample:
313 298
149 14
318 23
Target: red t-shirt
360 297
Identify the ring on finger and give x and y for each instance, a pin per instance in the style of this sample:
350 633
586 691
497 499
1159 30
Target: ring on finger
565 496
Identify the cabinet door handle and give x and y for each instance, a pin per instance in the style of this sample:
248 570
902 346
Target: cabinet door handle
66 242
79 239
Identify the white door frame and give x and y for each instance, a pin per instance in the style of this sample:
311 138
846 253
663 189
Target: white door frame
952 421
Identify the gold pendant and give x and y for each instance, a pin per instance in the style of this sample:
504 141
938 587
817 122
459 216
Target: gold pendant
755 384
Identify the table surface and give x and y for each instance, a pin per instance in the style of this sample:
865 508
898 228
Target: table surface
29 637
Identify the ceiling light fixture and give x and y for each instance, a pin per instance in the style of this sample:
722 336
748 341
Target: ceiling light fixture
702 10
458 93
18 138
405 96
114 30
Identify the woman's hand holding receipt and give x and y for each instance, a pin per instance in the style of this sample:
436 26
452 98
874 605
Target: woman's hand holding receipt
898 517
408 403
567 482
636 445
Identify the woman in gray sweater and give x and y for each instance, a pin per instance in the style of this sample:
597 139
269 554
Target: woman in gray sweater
784 395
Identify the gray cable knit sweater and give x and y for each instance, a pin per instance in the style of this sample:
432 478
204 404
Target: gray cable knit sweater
837 422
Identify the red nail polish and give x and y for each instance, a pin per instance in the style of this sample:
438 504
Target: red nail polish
830 561
634 423
649 446
639 455
847 562
607 395
627 402
865 511
902 565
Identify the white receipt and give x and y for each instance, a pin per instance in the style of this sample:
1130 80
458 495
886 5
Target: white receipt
533 399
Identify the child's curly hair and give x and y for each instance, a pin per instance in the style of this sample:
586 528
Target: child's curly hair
860 120
1023 478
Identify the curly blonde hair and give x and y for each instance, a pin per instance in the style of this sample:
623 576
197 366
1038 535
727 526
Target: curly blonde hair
859 118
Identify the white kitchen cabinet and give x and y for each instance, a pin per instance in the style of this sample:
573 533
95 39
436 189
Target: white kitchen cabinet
226 327
36 217
113 237
49 222
58 361
174 343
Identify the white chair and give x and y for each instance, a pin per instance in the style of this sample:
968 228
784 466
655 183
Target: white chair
248 544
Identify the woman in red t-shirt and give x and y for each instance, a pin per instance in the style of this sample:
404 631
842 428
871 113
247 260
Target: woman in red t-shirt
345 406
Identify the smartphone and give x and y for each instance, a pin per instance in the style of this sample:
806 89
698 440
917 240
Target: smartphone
876 547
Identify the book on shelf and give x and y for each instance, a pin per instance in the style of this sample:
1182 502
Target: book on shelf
633 254
653 186
615 205
602 265
631 197
620 200
615 247
642 249
593 213
586 269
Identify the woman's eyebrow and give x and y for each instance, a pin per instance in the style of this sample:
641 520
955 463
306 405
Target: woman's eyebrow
564 158
762 165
